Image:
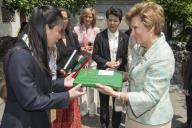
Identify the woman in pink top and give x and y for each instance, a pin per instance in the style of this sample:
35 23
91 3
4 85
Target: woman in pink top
87 32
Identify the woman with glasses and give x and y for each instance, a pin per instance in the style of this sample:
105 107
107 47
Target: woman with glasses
69 117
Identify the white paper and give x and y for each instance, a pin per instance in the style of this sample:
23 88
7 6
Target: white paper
106 72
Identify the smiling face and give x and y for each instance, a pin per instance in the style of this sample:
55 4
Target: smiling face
88 19
140 32
53 34
113 23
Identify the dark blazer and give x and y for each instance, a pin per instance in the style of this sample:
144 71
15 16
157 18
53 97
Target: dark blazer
29 93
101 52
188 67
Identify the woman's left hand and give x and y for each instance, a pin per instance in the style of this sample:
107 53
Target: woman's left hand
105 89
68 81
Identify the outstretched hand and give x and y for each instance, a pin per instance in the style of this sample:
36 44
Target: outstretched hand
105 89
76 91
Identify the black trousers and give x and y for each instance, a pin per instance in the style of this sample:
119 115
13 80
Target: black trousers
189 109
104 112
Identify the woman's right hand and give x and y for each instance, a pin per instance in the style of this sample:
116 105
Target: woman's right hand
106 90
186 92
76 91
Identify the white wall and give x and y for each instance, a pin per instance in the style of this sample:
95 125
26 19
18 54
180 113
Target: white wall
15 25
11 28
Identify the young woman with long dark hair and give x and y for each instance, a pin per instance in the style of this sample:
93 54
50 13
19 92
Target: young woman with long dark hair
30 90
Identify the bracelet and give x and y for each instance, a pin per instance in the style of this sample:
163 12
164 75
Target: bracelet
124 97
118 95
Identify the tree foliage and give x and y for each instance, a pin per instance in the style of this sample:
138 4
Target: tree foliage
26 6
177 11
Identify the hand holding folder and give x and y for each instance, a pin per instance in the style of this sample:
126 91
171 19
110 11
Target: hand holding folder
76 61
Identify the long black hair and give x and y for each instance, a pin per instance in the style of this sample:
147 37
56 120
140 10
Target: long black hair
68 28
36 31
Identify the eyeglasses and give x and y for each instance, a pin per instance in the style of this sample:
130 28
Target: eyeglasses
65 18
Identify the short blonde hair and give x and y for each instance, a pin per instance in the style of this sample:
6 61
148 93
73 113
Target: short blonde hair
86 11
150 13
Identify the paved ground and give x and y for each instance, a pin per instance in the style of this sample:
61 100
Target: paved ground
178 101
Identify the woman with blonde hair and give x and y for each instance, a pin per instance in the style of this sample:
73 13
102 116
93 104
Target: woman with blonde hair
147 102
87 32
87 29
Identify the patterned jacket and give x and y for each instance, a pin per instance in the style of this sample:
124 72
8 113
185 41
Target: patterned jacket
149 81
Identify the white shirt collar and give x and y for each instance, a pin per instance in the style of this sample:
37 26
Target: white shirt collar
25 38
112 35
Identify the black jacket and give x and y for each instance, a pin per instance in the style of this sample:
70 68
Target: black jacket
101 52
29 93
65 51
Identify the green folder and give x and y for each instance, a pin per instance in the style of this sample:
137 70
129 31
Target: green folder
89 77
74 63
81 62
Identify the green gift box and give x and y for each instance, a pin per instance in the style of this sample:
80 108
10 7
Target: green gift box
89 77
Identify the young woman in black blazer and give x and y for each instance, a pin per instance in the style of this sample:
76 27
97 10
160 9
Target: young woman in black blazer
30 90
